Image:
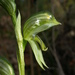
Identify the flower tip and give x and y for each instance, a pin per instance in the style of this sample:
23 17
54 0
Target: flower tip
57 23
60 23
45 49
45 67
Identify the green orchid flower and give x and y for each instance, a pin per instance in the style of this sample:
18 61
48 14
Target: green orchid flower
32 27
9 6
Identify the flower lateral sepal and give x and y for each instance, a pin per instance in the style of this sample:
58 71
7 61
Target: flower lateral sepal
38 54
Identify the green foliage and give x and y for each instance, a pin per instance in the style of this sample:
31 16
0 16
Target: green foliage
9 6
5 67
18 27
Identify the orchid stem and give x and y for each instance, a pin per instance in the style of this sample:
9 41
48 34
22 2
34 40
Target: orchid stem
21 46
20 58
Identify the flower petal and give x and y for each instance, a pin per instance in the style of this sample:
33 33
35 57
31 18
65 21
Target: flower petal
38 39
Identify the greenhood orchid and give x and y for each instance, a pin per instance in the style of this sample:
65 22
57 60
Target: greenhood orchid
32 27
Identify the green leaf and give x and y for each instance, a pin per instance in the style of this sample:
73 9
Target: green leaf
38 53
18 28
9 6
5 67
38 23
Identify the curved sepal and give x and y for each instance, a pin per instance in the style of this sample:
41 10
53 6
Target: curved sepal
37 53
9 6
5 67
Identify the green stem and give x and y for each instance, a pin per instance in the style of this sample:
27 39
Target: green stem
21 46
20 58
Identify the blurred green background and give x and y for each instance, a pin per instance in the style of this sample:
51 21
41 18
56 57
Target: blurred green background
60 40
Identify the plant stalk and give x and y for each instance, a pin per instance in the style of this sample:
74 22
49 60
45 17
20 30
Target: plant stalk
20 58
21 46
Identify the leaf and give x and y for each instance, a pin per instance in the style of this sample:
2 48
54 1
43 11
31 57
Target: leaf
9 6
5 67
38 23
38 53
18 28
